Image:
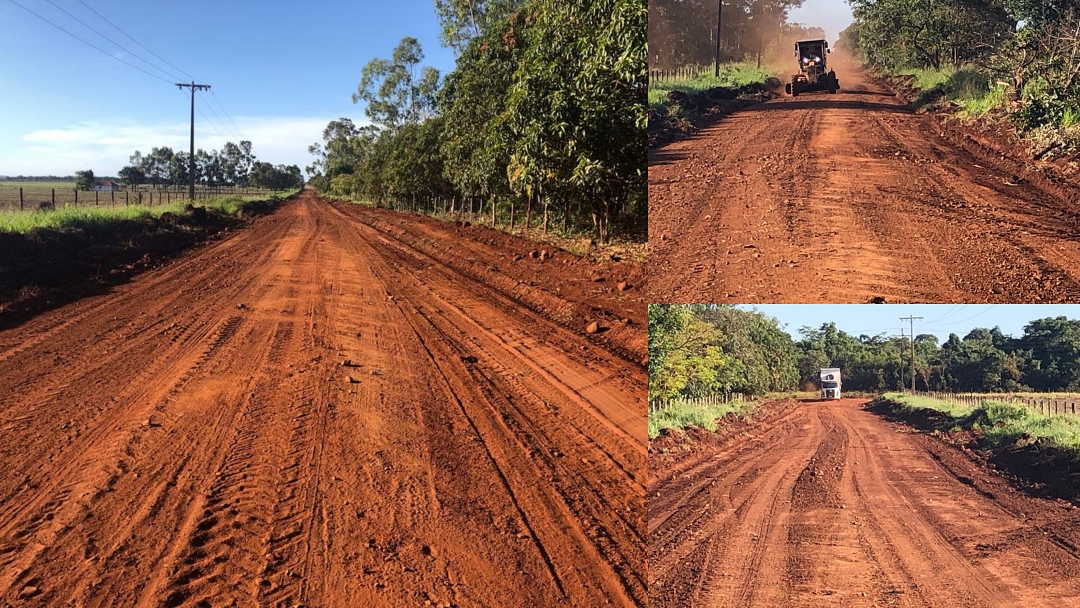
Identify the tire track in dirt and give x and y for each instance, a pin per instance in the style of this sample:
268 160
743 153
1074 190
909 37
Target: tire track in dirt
294 416
844 509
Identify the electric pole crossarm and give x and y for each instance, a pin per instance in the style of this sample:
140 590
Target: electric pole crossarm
191 159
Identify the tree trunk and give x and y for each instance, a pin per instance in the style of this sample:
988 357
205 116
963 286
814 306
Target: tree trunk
545 203
493 212
566 217
511 215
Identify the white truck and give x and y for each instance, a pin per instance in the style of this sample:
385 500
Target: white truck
830 383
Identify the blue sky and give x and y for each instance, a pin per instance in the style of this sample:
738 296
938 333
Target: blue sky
938 319
833 15
281 71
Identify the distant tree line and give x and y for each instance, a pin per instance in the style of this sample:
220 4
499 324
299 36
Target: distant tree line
233 165
542 121
683 32
1030 47
699 350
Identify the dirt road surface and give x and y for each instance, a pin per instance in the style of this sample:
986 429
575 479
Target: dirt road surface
847 198
830 505
315 412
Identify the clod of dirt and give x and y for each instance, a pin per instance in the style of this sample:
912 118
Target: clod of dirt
593 327
544 255
28 592
622 286
877 300
469 359
597 279
534 254
349 363
353 380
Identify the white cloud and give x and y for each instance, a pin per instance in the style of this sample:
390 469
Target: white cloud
105 146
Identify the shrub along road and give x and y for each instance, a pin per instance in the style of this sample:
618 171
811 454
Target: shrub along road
850 198
316 411
830 505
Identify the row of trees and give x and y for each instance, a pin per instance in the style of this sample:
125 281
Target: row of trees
544 116
700 350
1032 47
233 165
683 32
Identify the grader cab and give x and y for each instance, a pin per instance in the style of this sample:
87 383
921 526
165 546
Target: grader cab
812 76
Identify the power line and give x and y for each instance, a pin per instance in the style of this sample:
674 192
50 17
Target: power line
214 95
117 28
90 44
210 107
946 315
980 313
117 44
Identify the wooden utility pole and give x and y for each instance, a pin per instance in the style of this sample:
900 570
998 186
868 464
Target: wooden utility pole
911 321
191 159
716 57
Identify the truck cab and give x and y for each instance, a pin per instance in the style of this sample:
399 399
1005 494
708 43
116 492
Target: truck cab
830 383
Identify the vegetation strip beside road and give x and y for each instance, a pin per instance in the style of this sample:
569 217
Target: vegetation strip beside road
53 257
542 115
1042 451
1008 65
681 107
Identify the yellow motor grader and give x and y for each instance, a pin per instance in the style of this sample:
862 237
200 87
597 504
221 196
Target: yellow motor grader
812 74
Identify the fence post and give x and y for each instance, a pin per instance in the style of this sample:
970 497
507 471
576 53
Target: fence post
96 201
76 197
54 198
127 201
20 199
112 197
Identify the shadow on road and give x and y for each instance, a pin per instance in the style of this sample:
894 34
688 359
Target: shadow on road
828 103
664 157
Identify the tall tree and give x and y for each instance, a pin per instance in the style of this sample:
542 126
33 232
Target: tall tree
393 90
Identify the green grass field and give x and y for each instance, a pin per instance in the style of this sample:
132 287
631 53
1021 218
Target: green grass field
72 218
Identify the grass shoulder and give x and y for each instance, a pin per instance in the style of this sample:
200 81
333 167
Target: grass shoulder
683 415
102 219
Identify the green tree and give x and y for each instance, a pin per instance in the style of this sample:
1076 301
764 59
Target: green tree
463 20
84 180
393 91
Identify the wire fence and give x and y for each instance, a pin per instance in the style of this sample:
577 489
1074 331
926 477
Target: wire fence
1048 405
680 74
656 405
34 198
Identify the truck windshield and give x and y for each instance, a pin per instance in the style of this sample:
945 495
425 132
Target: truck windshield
829 385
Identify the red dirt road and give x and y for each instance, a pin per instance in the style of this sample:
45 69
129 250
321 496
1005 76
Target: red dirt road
848 198
830 505
316 412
